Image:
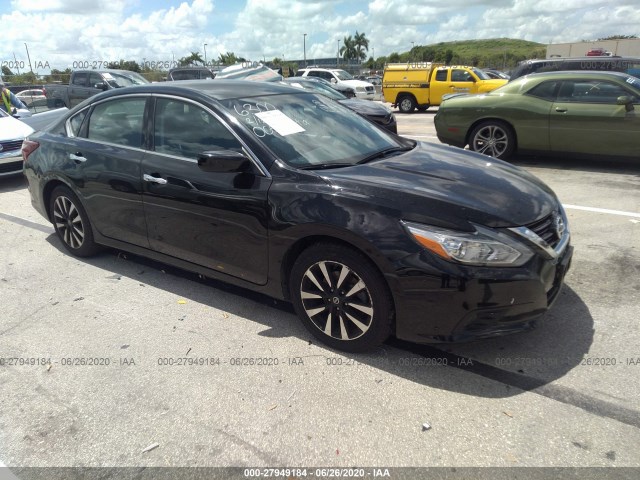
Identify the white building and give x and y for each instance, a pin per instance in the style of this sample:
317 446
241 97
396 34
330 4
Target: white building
624 48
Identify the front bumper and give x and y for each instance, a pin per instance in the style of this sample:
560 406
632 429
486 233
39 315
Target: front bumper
10 163
474 302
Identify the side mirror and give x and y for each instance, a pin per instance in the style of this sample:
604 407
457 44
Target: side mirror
333 80
626 101
224 161
101 86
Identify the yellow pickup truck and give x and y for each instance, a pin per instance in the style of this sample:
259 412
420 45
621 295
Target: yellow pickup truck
421 84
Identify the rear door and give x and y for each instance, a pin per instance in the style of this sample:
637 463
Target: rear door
218 220
585 118
106 150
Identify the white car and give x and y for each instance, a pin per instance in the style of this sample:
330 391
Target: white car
34 97
12 133
364 90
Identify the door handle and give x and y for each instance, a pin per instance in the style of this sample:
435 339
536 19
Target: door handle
77 157
561 110
149 178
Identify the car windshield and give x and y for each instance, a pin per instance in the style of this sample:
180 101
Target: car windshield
481 74
317 87
306 130
118 80
342 75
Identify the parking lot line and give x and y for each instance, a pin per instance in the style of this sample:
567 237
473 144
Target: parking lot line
602 210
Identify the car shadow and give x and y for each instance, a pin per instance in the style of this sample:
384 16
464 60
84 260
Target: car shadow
514 363
630 167
12 183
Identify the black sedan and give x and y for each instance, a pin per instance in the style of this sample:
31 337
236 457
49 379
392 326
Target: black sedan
374 111
289 193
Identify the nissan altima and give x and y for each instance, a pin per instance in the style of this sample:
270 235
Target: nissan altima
588 114
289 193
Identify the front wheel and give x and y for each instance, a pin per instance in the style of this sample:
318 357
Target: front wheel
341 298
71 223
494 138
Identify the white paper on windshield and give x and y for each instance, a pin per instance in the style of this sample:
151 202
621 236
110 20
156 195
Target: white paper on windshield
107 75
279 122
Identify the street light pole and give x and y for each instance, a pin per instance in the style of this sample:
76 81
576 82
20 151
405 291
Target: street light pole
338 55
304 47
205 54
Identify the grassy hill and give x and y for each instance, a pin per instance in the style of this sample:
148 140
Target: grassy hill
502 53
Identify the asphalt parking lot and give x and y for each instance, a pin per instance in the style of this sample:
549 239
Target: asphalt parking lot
120 361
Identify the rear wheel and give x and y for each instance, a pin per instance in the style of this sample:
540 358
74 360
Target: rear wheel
71 223
406 104
341 298
494 138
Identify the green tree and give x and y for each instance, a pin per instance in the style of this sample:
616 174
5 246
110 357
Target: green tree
361 44
394 57
130 65
348 48
229 58
194 59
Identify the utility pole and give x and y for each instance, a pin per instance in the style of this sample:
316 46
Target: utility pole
304 48
205 54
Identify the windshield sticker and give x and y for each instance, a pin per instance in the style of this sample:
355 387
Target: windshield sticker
107 75
279 122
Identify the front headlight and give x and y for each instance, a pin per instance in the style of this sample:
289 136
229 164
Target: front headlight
484 247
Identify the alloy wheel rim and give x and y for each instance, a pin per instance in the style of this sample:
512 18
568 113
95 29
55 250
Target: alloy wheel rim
68 222
491 141
336 300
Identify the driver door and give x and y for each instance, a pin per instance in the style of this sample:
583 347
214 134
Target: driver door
215 219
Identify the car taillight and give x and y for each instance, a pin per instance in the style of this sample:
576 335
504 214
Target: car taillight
28 147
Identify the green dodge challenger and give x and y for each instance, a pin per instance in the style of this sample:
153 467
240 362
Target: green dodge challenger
576 113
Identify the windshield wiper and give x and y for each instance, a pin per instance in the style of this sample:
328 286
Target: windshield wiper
384 153
324 166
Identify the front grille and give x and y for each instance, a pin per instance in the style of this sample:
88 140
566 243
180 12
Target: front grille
546 229
11 145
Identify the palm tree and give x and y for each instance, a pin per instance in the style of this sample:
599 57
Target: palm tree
228 58
361 43
348 49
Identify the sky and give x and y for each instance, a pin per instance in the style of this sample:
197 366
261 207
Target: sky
84 33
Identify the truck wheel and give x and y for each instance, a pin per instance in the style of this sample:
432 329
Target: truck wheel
494 138
341 298
406 104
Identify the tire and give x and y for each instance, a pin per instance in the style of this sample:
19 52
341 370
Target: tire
341 298
71 223
494 138
406 104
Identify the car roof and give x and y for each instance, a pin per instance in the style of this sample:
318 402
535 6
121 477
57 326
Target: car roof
217 89
579 73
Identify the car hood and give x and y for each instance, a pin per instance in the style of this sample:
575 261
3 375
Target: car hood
446 186
366 107
12 129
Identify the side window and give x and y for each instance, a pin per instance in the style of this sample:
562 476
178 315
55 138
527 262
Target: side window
80 79
545 91
313 73
441 75
458 75
118 121
75 123
94 78
591 91
186 130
